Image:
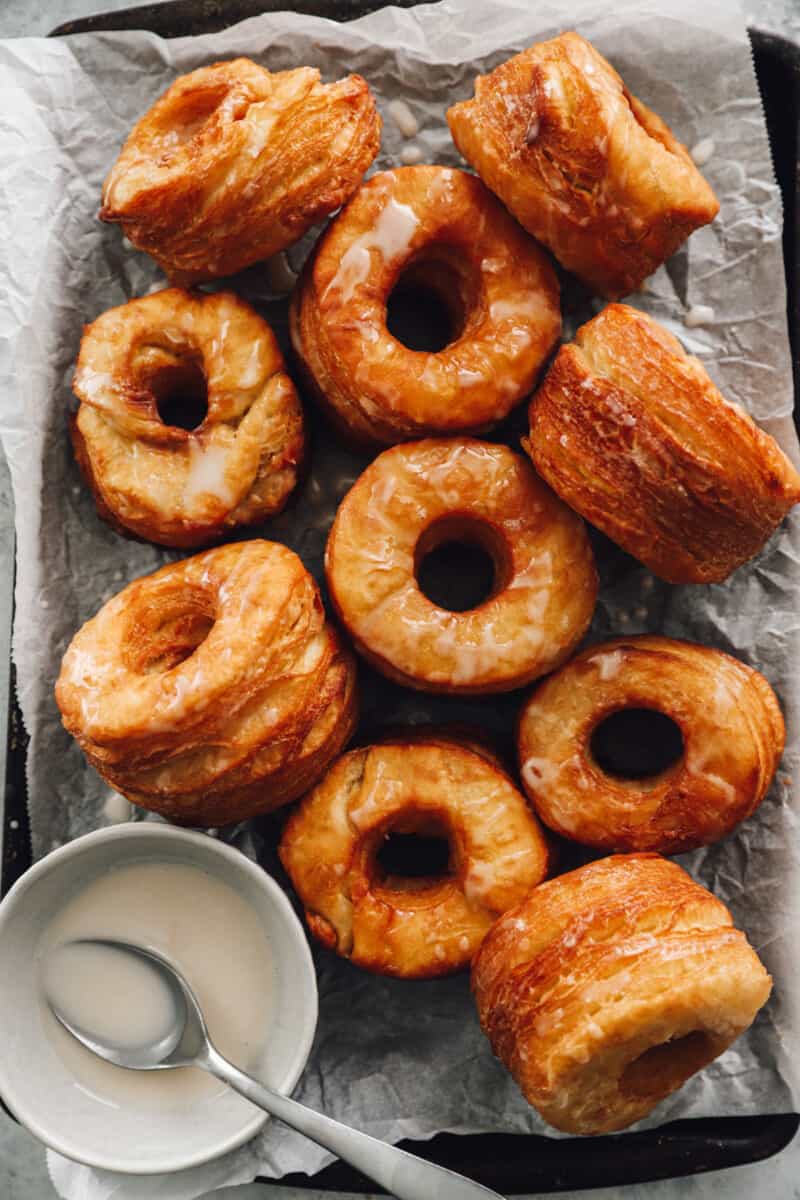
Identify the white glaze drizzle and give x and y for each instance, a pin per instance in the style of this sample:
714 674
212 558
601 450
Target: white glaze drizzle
608 663
390 236
470 378
695 763
479 879
252 371
206 474
539 774
93 385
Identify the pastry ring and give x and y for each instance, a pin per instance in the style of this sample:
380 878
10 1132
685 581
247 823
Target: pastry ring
411 927
443 230
731 729
234 163
177 486
213 689
608 987
630 431
418 495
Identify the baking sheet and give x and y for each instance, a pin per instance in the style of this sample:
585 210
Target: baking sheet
400 1059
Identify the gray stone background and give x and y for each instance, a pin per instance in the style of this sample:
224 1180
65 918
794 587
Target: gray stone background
23 1174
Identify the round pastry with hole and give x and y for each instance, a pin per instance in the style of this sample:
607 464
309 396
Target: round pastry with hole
367 900
608 987
416 231
188 424
707 734
234 163
213 689
417 496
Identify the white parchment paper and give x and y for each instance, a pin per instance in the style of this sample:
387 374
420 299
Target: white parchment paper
399 1059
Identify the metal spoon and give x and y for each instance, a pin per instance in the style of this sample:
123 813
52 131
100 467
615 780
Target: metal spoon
187 1044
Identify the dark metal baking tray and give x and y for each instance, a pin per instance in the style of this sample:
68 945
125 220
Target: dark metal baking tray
512 1164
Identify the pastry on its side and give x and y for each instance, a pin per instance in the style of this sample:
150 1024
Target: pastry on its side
213 689
161 481
608 987
630 431
413 927
418 495
441 230
234 163
582 164
731 727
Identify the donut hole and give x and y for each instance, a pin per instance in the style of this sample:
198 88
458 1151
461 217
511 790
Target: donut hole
163 635
181 394
636 743
665 1067
460 563
428 307
413 855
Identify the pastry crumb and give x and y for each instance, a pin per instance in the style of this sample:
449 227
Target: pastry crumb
409 155
116 809
698 314
703 151
404 118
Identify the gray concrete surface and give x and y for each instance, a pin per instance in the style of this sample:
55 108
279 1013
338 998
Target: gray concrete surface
23 1174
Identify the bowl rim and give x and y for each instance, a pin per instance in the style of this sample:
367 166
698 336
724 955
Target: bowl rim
162 834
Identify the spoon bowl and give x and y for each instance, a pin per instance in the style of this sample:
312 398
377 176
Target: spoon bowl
176 1038
182 1040
145 1122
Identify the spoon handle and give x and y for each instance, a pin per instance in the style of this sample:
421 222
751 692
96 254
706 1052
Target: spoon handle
403 1175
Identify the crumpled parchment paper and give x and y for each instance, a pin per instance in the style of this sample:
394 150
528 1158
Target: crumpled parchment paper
395 1058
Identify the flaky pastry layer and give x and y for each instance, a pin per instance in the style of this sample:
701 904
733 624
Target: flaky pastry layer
630 431
213 689
608 987
581 163
234 163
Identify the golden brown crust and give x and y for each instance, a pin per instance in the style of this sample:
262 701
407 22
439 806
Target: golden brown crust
441 228
421 927
234 163
583 165
416 495
478 740
213 689
167 484
607 988
630 431
729 719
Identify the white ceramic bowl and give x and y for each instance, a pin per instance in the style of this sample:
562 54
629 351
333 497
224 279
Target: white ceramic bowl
36 1084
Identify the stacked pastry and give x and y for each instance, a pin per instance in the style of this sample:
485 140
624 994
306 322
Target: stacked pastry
215 688
609 986
233 163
